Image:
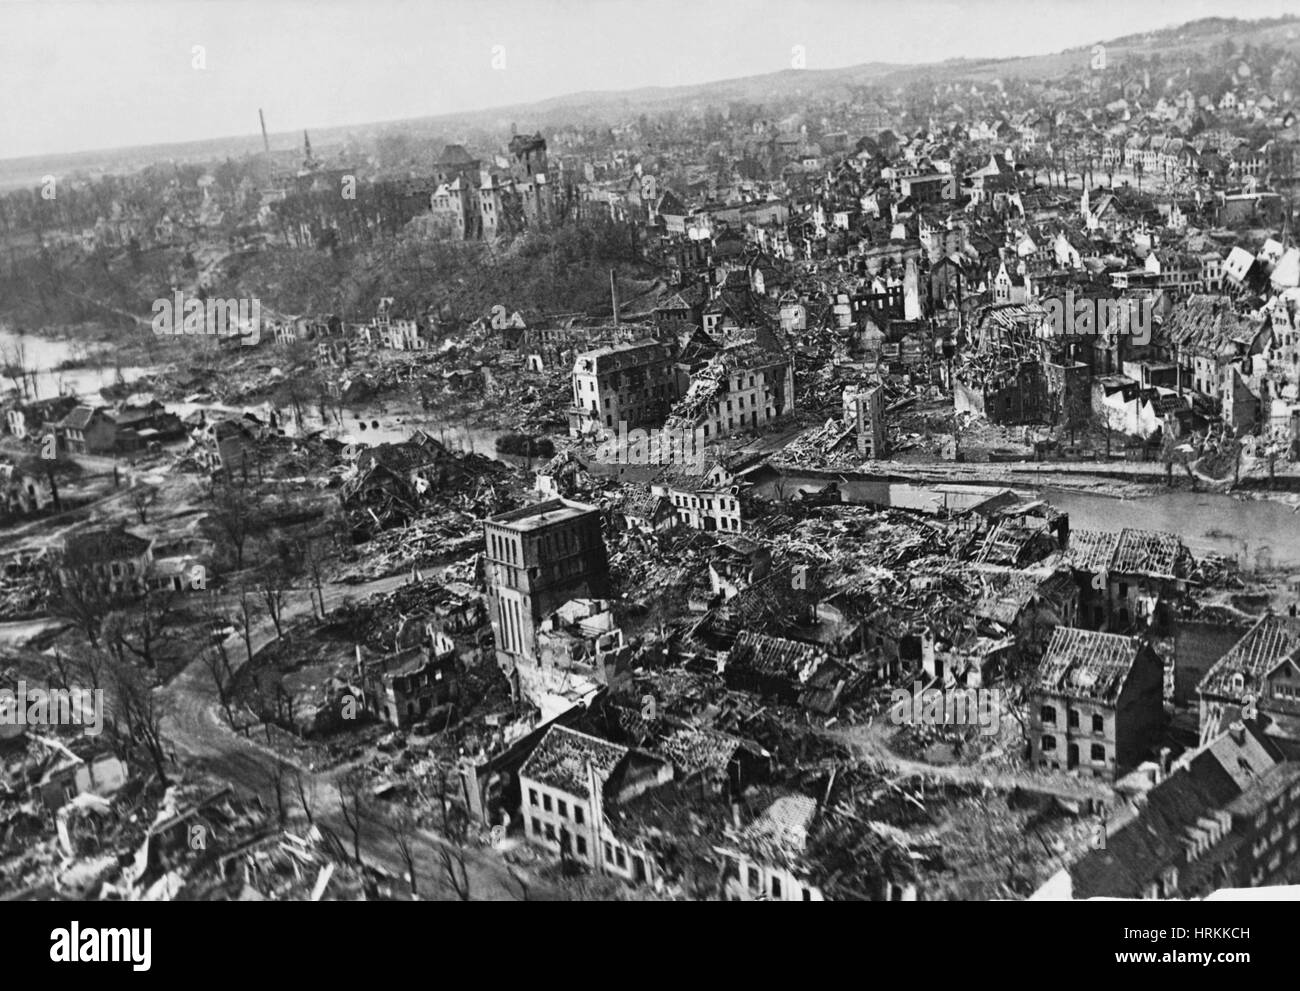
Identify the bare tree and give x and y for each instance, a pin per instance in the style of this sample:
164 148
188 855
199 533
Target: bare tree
141 713
454 828
141 629
314 553
14 366
51 468
79 594
278 773
218 666
142 497
94 662
64 671
237 514
306 792
294 393
403 826
353 800
274 586
247 615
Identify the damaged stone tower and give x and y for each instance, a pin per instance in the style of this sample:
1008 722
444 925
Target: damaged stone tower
864 411
538 558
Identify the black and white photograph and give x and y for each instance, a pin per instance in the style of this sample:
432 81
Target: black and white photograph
650 451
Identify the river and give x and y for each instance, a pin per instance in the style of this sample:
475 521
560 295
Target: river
1258 533
43 355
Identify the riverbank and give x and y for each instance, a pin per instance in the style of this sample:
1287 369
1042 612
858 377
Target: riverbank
1259 533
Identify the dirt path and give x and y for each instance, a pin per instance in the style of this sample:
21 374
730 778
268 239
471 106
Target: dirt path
194 728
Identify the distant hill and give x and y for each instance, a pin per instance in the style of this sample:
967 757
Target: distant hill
1195 40
594 107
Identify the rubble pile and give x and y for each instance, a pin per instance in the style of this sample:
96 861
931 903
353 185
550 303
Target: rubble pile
397 484
23 592
827 446
649 568
424 543
375 622
852 539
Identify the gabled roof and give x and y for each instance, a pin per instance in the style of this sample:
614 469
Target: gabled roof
1130 552
775 656
640 503
1228 774
786 823
1252 657
615 357
97 545
80 417
560 760
1086 664
670 204
695 749
1209 324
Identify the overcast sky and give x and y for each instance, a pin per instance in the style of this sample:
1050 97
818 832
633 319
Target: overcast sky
114 73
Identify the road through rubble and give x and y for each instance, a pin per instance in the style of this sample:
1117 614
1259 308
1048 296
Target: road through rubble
193 727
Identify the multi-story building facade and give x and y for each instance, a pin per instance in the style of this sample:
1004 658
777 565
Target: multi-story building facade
403 687
563 787
864 412
1128 579
1226 816
762 862
1257 679
88 430
1098 705
107 559
531 179
630 383
743 387
538 558
454 203
703 496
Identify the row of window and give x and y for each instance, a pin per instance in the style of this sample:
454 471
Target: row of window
1290 798
704 502
613 855
628 378
740 403
1097 752
626 400
511 627
1048 715
724 522
561 806
504 549
548 830
756 885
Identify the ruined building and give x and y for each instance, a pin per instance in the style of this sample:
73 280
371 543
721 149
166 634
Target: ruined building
864 414
537 559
